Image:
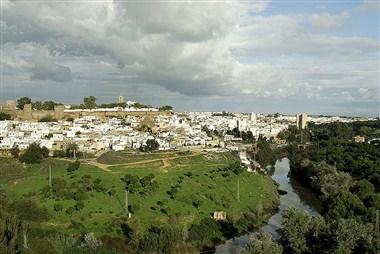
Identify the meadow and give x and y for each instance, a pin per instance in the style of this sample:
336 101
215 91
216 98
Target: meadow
188 188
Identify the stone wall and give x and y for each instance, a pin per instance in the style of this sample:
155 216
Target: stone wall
60 114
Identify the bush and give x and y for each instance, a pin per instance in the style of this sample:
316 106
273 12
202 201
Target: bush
28 210
73 166
70 210
207 230
58 207
15 152
160 240
80 195
59 153
188 174
133 208
261 244
127 232
47 119
79 205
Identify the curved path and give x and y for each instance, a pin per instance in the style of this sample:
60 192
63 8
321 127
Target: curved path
165 161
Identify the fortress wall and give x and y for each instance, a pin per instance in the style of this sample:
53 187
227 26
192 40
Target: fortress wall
59 113
39 114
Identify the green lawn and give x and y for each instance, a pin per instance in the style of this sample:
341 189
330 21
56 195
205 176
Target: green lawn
215 192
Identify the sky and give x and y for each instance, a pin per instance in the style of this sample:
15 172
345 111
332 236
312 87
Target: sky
287 56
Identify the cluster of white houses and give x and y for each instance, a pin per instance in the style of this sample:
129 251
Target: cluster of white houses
175 131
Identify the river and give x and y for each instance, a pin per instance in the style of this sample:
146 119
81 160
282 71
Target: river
297 196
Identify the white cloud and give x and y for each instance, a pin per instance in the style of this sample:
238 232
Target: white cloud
326 21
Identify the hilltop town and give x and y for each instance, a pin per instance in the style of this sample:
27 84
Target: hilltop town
121 125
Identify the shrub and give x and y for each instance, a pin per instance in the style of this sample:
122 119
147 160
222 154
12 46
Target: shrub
47 119
188 174
15 152
59 153
70 210
73 166
28 210
207 230
80 195
79 205
133 208
58 207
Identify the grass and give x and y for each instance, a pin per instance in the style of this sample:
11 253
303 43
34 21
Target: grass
123 157
217 193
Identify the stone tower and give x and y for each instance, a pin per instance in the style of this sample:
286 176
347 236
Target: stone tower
59 112
27 111
120 99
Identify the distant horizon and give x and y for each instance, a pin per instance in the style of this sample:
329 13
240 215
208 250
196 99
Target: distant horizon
327 114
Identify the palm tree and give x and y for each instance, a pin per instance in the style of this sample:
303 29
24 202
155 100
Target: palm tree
73 148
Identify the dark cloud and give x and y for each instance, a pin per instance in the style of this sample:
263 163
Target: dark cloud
45 69
188 54
52 72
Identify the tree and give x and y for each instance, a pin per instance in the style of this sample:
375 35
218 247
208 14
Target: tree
45 151
160 240
208 230
28 210
89 102
167 107
295 225
23 101
4 116
151 145
72 149
15 152
49 105
33 154
128 232
349 236
262 244
10 227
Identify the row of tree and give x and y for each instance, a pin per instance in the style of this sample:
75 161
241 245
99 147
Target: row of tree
38 105
88 103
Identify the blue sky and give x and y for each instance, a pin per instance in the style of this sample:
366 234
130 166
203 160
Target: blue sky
250 56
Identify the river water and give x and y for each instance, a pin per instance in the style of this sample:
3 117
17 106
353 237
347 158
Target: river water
297 196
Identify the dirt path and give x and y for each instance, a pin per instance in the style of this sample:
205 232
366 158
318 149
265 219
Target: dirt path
165 162
58 224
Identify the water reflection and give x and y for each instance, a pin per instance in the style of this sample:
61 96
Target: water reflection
297 196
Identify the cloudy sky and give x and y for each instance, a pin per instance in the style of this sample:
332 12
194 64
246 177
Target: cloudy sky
261 56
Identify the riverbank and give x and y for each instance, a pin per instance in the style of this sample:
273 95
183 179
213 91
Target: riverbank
297 196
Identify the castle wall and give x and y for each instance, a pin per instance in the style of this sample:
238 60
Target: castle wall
60 114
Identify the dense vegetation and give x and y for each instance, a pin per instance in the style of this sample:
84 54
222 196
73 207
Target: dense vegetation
345 174
4 116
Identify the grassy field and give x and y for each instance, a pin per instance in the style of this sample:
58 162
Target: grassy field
212 190
121 157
